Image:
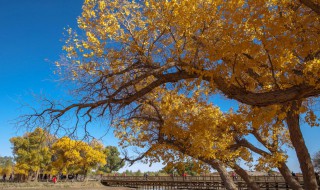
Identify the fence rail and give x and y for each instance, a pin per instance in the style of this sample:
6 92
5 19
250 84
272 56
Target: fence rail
193 182
197 178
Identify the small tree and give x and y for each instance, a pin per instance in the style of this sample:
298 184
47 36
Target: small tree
128 172
138 173
114 162
185 167
6 165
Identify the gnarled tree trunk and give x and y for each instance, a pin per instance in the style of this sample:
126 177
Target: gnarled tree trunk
244 175
293 122
215 164
312 5
225 177
285 172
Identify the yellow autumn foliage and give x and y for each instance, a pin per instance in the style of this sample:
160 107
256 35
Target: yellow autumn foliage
256 46
198 126
71 155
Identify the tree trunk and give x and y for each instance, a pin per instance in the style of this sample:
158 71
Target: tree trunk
309 177
66 177
215 164
244 175
29 176
314 6
285 172
225 177
37 176
85 176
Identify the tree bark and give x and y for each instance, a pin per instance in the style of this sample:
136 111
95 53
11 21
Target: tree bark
285 172
292 119
225 177
29 176
37 176
309 3
215 164
85 175
244 175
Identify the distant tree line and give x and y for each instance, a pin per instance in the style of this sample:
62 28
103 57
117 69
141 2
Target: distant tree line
39 152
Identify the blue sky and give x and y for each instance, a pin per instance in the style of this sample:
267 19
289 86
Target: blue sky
30 41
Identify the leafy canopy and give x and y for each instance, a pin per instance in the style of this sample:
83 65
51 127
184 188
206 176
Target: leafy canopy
31 151
114 162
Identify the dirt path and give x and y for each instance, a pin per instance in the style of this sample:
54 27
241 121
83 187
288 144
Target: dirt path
73 188
62 186
67 188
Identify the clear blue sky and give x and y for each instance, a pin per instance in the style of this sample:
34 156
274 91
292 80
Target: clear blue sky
30 41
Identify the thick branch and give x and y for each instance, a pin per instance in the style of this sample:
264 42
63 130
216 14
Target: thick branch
309 3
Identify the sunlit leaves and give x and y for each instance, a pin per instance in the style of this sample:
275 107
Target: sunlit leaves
31 151
72 155
39 151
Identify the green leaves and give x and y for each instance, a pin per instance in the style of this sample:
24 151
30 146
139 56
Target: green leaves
31 151
114 162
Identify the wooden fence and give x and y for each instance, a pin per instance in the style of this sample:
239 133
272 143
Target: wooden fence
193 182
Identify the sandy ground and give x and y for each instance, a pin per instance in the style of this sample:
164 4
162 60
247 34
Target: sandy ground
74 188
62 186
71 188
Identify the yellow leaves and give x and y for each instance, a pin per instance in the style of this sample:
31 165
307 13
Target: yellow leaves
76 154
271 161
88 1
302 109
92 38
257 46
21 168
197 125
31 152
312 71
88 55
147 4
74 73
85 45
312 119
68 48
102 5
209 37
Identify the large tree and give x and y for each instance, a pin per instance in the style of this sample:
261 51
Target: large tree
267 126
72 156
257 52
31 153
183 126
201 131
